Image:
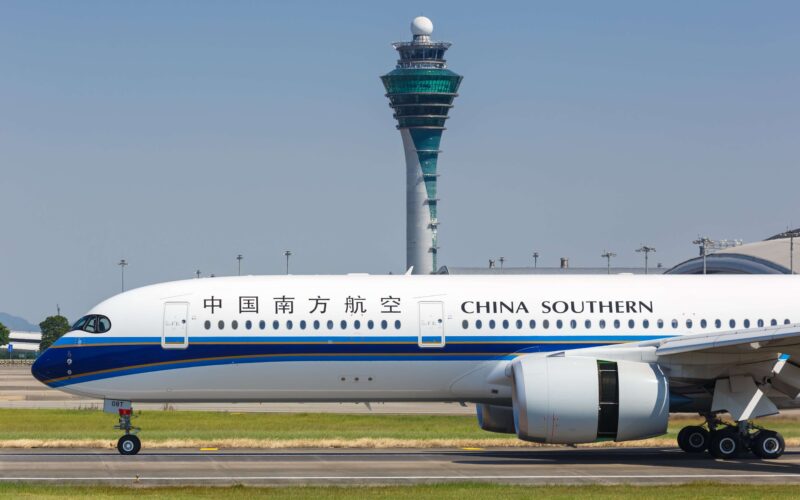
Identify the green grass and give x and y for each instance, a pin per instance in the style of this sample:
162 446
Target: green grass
163 425
170 425
459 491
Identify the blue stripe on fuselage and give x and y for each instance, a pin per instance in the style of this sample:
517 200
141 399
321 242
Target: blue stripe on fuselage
99 358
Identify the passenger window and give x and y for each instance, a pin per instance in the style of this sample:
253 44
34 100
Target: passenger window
221 324
491 324
343 325
234 324
248 324
786 322
602 324
703 323
532 324
747 323
761 323
573 324
465 324
688 323
660 323
262 324
631 324
559 324
732 323
370 324
588 324
207 324
316 324
616 323
302 324
674 323
356 324
546 324
646 324
505 324
384 324
773 322
289 324
519 324
275 325
397 324
329 324
718 323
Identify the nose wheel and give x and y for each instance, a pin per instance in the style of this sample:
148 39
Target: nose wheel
728 441
129 444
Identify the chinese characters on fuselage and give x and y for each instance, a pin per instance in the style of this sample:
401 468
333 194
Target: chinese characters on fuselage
317 305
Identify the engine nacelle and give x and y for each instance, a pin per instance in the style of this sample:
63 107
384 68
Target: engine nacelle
572 400
494 418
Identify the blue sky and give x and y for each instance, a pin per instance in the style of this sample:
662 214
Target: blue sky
179 134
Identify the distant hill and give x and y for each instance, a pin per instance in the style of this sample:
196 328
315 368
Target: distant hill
17 323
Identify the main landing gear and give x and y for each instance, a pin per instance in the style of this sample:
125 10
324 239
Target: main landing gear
726 441
129 444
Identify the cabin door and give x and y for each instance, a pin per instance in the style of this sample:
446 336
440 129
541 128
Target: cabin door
431 324
175 334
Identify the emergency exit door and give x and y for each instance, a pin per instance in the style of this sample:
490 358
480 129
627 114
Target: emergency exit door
175 333
431 324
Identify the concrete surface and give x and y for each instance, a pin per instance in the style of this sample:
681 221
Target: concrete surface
539 466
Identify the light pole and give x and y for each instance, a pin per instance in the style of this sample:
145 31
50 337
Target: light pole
502 259
287 254
704 243
646 249
239 259
607 255
535 259
122 263
197 273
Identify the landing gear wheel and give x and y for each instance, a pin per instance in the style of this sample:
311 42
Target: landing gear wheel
725 444
768 444
693 439
129 445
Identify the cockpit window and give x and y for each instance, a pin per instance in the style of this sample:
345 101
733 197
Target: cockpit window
90 325
103 324
93 323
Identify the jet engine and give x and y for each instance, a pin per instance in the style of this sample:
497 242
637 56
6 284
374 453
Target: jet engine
568 400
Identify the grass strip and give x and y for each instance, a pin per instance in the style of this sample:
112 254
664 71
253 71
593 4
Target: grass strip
25 428
459 491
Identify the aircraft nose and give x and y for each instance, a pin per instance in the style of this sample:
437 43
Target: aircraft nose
43 368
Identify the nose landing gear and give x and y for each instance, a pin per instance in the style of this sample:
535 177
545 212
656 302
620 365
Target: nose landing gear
129 444
727 441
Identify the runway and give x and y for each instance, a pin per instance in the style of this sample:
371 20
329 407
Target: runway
254 467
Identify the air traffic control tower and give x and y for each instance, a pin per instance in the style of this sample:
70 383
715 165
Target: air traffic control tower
421 91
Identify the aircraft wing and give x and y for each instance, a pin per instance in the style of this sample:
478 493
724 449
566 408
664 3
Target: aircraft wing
742 371
759 343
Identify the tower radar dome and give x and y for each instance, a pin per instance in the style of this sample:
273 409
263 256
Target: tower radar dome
421 26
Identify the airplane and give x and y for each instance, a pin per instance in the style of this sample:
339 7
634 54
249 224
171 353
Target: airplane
560 360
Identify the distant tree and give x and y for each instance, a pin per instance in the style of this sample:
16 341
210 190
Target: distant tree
53 327
4 334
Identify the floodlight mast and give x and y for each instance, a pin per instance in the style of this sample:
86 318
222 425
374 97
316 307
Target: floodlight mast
646 250
608 255
707 244
122 263
535 259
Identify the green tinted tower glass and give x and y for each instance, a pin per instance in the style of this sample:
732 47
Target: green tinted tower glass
421 91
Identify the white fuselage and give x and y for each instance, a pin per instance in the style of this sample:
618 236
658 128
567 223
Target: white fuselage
383 338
